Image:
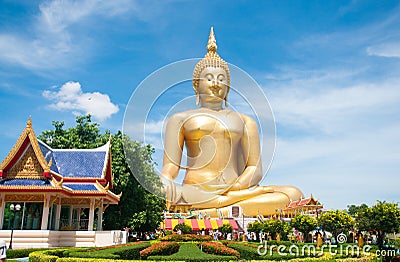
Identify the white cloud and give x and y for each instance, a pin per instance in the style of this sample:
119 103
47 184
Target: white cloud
389 49
338 137
71 97
333 109
52 41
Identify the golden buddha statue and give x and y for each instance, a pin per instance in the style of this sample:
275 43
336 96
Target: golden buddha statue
223 150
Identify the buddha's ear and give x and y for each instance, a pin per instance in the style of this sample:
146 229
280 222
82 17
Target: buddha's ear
226 97
197 99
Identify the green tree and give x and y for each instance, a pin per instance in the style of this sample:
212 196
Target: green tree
225 228
137 208
274 227
304 224
382 217
353 210
336 221
84 135
360 214
255 227
185 229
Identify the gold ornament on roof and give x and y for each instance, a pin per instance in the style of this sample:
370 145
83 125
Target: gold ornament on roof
29 165
29 123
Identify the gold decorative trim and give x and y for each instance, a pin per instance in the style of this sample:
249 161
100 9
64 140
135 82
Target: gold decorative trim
53 200
98 203
30 134
104 208
25 188
103 189
57 183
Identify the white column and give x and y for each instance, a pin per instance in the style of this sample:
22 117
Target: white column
78 217
71 212
100 217
58 215
91 215
2 206
45 214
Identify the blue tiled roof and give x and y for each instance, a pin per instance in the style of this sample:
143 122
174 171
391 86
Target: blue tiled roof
24 182
48 154
80 164
84 187
76 162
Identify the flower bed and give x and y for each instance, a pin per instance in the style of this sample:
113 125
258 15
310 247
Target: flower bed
186 238
217 248
160 248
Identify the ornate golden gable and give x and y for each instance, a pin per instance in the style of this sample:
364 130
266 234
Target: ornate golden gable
27 166
32 162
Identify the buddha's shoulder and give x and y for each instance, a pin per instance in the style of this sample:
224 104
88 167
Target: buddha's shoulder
248 120
182 116
187 114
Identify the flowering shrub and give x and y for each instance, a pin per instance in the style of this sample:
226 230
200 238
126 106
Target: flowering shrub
160 248
217 248
186 238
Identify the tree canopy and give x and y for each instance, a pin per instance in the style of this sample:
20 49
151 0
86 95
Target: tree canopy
382 217
137 208
336 221
304 223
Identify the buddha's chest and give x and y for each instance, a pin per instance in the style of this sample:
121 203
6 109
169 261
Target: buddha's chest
225 126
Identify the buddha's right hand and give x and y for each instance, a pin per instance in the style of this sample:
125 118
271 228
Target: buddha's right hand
169 189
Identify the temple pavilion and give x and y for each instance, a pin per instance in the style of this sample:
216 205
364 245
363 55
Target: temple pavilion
309 206
57 189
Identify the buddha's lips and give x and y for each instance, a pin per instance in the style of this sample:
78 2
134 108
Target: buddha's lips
215 90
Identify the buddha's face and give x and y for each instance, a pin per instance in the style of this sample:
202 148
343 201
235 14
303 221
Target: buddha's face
213 84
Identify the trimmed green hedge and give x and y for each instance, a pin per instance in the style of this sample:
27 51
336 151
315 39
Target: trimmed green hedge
246 252
16 253
190 252
57 255
50 255
128 251
132 252
77 259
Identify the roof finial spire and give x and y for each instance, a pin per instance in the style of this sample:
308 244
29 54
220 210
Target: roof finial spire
29 123
212 43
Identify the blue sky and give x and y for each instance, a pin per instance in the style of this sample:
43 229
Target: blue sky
330 70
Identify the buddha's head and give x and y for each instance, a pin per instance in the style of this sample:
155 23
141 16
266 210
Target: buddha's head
208 68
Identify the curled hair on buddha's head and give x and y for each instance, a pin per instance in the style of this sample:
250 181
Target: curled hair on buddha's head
211 59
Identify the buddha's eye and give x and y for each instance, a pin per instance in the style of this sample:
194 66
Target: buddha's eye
221 78
209 77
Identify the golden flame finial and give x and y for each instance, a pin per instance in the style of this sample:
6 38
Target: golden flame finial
212 43
211 59
29 123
